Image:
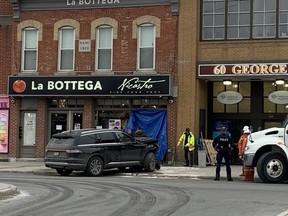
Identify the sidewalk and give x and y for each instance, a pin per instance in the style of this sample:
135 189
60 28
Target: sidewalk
166 171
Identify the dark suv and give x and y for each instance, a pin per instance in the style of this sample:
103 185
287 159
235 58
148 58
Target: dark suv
92 150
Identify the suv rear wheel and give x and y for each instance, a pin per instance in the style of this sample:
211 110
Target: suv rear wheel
95 166
150 162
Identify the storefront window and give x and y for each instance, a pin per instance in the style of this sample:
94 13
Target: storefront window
110 111
270 107
241 87
131 103
231 108
244 105
65 102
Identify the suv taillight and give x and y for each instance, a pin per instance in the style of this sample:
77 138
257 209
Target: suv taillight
73 151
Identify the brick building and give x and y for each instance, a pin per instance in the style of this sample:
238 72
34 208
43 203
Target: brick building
5 69
198 45
79 64
243 43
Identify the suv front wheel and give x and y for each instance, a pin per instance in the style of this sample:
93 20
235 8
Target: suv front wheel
150 162
95 166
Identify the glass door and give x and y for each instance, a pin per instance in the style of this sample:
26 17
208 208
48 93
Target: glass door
58 122
65 120
27 134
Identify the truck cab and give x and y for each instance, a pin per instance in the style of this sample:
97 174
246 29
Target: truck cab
267 150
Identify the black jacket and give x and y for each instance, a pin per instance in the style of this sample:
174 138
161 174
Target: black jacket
222 142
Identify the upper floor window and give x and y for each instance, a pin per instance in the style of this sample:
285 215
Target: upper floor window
29 49
104 48
264 19
66 49
244 19
238 25
213 19
283 19
146 47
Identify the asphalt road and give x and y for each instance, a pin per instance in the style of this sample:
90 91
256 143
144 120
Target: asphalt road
110 195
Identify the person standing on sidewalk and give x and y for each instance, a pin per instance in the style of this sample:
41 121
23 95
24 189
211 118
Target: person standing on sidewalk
223 145
187 142
242 144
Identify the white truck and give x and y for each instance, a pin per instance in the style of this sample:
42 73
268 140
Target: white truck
268 151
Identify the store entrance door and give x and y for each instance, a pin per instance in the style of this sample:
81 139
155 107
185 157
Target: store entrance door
64 120
27 134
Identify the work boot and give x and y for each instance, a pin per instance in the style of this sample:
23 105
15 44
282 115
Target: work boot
229 178
217 177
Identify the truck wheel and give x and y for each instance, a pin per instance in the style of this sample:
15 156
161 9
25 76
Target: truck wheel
150 162
95 166
272 167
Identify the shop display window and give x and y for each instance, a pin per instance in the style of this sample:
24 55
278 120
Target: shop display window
270 107
242 88
65 103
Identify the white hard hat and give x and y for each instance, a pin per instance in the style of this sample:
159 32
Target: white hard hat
246 129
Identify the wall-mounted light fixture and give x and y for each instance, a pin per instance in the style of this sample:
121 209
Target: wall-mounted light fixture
227 82
279 82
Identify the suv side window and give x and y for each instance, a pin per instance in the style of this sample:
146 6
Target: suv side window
87 139
123 137
107 137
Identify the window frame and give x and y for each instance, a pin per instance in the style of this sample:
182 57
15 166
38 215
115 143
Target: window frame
240 12
139 46
272 28
60 49
25 50
98 47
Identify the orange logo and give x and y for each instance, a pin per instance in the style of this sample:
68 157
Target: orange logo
19 86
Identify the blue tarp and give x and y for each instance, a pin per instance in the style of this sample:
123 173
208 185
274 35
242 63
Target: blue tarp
153 123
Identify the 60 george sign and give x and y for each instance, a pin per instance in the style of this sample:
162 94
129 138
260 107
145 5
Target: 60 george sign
251 69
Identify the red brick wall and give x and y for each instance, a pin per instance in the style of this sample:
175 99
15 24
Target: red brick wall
5 8
14 128
5 45
166 43
41 132
5 65
123 62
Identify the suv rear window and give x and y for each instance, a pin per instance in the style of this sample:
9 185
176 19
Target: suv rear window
61 142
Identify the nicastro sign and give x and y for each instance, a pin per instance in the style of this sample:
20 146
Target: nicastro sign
157 85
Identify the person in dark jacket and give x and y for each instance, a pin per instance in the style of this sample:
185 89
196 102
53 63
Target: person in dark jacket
223 145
